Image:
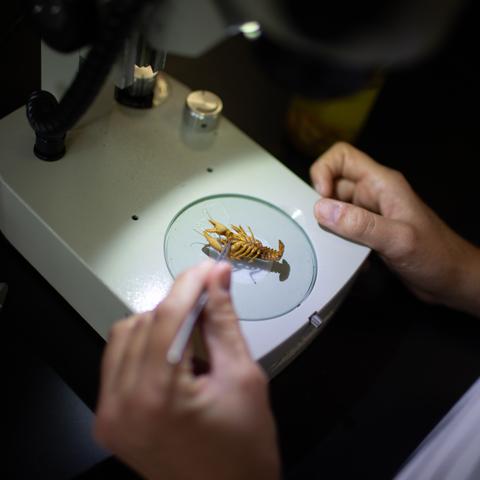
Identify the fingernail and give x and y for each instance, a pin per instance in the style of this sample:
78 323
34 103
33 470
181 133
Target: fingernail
327 210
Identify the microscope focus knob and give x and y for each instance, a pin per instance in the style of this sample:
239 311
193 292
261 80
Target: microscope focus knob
202 111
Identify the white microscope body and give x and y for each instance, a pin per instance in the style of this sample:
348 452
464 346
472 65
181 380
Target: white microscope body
95 223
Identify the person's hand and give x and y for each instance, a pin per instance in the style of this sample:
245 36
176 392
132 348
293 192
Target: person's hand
375 206
167 423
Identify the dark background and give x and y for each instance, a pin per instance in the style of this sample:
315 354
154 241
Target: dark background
387 368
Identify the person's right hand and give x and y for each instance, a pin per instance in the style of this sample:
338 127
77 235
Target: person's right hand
375 206
167 422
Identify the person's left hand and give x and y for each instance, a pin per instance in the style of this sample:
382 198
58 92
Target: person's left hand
167 423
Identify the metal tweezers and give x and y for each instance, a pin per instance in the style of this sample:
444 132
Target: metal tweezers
177 348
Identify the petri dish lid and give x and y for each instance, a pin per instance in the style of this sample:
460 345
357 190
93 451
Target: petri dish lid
260 289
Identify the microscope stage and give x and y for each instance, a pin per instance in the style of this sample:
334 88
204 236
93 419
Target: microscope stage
261 289
114 221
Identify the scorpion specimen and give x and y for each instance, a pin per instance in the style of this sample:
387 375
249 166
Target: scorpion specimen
243 245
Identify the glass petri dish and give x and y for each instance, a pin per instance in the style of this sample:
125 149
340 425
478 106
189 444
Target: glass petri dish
260 289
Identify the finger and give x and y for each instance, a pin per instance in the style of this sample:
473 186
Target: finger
364 194
185 367
221 331
341 161
169 315
134 353
113 355
384 235
185 383
344 190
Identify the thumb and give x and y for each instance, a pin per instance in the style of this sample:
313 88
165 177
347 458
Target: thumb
223 338
360 225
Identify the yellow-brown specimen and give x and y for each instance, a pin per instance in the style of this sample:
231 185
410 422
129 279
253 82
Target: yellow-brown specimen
243 246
